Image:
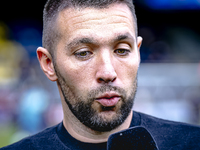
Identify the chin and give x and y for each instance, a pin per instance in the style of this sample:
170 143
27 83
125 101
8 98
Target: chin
108 115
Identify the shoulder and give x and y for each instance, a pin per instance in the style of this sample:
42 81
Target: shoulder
172 134
33 142
152 122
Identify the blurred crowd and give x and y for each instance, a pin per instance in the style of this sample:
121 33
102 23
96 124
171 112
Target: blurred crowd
29 102
172 45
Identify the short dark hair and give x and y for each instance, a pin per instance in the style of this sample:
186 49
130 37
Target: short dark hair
53 7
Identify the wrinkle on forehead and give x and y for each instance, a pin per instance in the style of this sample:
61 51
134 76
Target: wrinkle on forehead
74 18
121 9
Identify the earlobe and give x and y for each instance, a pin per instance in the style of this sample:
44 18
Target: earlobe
46 63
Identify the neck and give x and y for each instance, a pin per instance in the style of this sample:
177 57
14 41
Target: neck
84 134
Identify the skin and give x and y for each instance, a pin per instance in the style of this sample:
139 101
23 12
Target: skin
97 47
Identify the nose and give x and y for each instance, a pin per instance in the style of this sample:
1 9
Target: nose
105 69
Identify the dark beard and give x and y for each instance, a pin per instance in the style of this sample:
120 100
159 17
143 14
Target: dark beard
82 108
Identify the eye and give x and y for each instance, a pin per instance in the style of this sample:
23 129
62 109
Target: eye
122 49
122 52
83 55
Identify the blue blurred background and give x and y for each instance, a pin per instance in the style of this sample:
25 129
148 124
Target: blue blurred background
169 74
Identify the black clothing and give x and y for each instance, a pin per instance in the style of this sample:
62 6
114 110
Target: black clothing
168 135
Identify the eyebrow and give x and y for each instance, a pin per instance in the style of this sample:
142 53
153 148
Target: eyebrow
85 40
77 41
121 37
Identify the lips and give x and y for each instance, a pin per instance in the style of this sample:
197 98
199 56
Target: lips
108 99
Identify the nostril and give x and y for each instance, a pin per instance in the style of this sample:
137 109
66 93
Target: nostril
113 79
100 80
106 80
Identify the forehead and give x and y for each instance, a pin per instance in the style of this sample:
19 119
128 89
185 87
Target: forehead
116 18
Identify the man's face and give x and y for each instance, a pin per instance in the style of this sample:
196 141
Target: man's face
96 63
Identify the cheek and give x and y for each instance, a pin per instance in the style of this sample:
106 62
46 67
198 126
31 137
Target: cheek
76 77
128 70
128 75
132 73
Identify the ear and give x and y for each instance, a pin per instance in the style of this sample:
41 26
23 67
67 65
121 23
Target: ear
139 42
46 63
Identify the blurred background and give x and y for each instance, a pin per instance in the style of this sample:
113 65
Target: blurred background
169 74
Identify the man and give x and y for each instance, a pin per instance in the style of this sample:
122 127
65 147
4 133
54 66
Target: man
91 49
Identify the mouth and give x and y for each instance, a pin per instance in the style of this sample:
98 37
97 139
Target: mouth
108 100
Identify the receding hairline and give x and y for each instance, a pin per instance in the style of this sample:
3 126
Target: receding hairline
80 8
72 10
